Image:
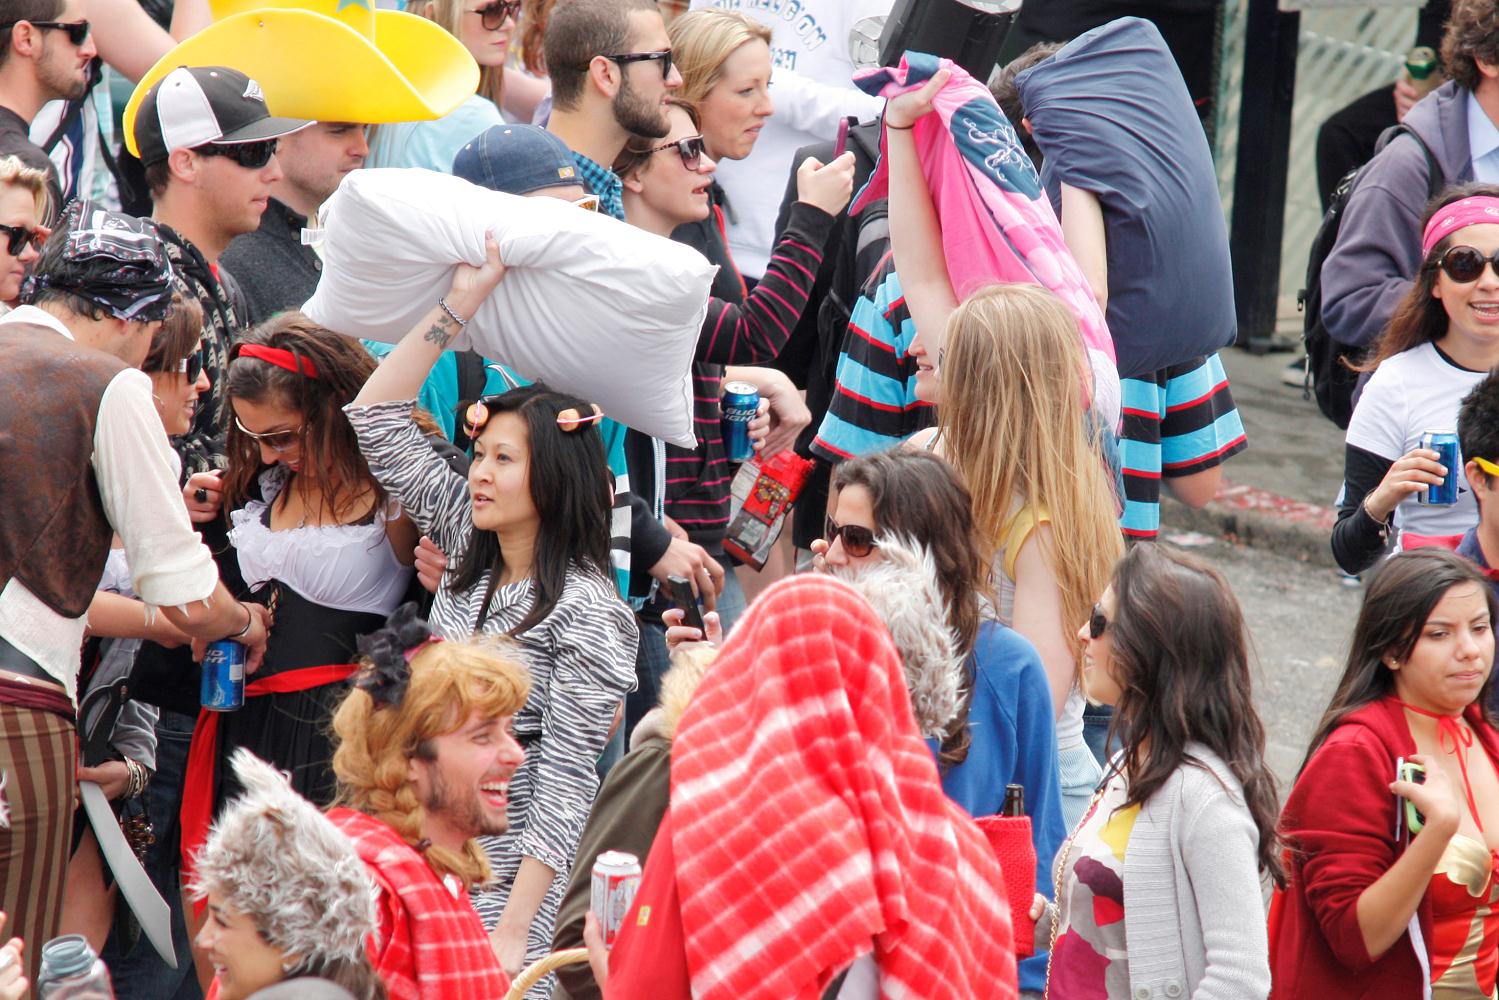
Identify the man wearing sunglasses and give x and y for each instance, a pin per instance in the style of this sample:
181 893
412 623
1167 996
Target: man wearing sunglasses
83 457
45 51
610 63
208 143
275 269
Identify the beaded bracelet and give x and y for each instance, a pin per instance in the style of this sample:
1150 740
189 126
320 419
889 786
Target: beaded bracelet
443 305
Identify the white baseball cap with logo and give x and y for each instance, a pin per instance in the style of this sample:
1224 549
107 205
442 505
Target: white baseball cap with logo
197 105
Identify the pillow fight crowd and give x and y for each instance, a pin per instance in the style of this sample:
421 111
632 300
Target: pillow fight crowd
461 729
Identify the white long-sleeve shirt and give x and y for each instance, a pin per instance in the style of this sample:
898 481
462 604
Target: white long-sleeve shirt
137 473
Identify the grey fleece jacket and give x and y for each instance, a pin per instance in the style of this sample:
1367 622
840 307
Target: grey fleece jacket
1379 242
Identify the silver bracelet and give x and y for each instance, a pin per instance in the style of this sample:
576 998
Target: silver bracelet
443 305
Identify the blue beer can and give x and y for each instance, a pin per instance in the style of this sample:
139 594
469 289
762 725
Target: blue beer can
223 687
1444 443
741 401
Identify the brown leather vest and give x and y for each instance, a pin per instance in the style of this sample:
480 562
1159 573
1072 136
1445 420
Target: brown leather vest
54 535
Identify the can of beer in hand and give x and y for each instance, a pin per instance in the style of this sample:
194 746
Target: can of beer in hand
616 876
1443 494
741 401
223 687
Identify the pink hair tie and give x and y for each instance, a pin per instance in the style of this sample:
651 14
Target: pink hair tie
1475 211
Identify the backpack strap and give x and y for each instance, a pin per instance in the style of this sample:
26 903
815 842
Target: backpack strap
471 381
1435 179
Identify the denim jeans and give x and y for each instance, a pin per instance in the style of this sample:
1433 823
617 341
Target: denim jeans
138 972
1096 722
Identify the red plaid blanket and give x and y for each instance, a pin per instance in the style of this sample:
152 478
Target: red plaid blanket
808 819
431 943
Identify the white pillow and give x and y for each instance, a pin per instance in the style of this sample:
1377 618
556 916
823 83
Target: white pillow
590 305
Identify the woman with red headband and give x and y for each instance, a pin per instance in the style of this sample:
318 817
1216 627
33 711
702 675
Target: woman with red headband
314 537
1443 339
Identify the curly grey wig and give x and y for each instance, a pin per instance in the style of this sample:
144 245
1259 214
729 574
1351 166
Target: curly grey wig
902 588
276 858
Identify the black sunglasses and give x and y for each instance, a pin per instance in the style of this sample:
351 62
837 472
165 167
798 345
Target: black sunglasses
77 30
1098 623
689 149
189 367
858 541
250 155
630 57
1465 264
494 15
18 238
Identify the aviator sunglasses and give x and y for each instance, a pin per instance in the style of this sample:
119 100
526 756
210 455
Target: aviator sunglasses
277 441
494 15
858 541
250 155
689 149
1465 264
18 238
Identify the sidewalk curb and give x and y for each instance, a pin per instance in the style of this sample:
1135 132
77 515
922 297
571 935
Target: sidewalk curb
1261 519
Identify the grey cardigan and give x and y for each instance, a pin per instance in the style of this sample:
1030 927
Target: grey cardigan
1194 917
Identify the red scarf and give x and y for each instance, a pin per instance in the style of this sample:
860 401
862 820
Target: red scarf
809 823
203 755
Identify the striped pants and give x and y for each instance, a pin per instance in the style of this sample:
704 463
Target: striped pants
38 778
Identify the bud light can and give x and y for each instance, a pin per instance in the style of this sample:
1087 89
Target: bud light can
1443 494
616 876
741 401
223 688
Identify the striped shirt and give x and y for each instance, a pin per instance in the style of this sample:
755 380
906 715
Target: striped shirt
581 660
874 405
697 481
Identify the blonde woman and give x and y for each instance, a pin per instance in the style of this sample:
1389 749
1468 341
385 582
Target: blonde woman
724 59
484 27
1008 373
23 206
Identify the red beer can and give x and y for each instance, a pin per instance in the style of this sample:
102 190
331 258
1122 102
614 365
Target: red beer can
616 876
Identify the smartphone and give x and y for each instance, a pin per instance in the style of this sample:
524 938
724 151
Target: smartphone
1407 816
842 143
680 592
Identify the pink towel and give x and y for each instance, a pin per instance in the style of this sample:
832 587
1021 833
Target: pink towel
997 225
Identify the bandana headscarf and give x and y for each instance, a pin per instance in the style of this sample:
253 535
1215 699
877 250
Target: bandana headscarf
113 260
1475 211
809 823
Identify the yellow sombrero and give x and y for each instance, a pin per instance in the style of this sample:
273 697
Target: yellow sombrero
328 60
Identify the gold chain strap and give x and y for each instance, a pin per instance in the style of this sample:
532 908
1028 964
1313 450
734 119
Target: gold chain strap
1060 871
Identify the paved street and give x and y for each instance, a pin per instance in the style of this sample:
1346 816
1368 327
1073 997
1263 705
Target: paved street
1300 616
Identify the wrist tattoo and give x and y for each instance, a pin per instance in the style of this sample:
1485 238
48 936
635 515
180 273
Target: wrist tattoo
440 333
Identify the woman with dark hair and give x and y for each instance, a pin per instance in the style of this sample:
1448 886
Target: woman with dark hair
528 536
1003 731
313 536
1158 887
1443 339
1392 889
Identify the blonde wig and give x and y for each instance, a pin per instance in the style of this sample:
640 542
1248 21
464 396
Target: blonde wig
701 41
449 14
14 173
1012 421
376 743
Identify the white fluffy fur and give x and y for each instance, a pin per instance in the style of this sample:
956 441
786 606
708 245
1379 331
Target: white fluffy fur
275 857
902 588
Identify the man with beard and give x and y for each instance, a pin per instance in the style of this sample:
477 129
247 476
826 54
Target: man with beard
610 63
45 51
275 269
424 759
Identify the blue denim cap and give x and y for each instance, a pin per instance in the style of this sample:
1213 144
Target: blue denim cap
516 159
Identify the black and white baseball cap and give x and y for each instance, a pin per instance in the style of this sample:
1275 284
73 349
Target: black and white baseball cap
195 105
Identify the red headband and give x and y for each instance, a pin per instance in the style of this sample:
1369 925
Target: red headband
279 357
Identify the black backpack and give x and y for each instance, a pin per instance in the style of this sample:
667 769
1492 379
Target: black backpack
1330 374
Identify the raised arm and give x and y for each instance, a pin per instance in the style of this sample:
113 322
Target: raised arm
130 41
401 374
915 234
1083 232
